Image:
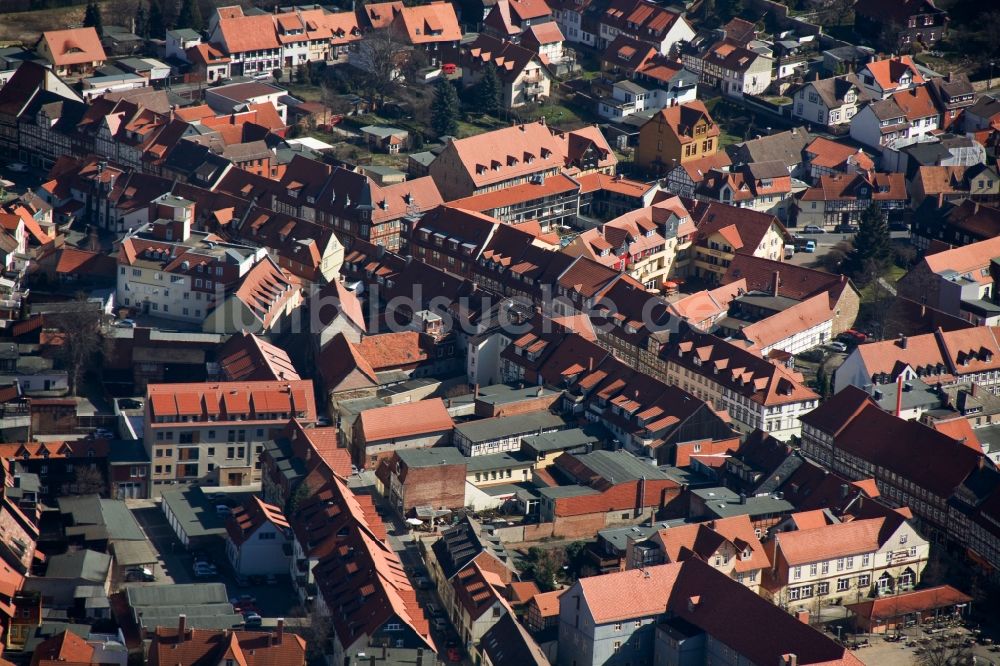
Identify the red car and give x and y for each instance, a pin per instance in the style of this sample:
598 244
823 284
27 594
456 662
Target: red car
449 68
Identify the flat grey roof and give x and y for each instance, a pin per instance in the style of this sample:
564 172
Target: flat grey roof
86 564
555 492
723 502
559 440
620 466
499 427
503 394
431 457
132 553
193 512
498 461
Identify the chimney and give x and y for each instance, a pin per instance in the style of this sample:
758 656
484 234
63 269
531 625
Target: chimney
181 627
475 391
844 488
802 616
590 364
975 390
775 281
902 341
280 631
789 660
899 395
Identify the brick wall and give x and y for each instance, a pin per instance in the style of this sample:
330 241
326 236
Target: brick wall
572 527
846 311
439 486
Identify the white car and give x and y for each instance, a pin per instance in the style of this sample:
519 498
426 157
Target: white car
837 346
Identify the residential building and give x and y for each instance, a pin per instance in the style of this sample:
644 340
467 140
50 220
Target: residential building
899 120
261 43
432 28
652 88
644 20
955 183
72 52
728 544
942 357
824 157
578 21
513 19
957 281
412 425
725 231
645 243
737 71
952 93
882 78
684 610
527 153
292 456
228 98
757 394
948 484
258 539
216 432
432 476
676 135
843 198
185 645
685 178
169 270
503 433
546 41
479 603
954 223
507 643
764 187
828 102
901 24
550 202
844 562
783 147
523 74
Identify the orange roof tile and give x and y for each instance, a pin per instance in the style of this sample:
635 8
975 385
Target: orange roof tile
411 419
74 46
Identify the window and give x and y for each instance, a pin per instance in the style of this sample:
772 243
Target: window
618 646
618 626
903 538
843 584
864 580
823 588
824 567
866 559
840 564
813 569
267 536
796 572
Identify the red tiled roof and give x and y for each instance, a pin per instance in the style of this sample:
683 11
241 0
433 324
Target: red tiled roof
63 647
244 399
823 152
425 24
74 46
411 419
210 646
249 517
887 72
897 605
246 357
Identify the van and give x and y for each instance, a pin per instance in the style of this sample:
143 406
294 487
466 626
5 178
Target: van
789 251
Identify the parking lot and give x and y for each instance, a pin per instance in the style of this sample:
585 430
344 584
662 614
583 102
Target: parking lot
176 565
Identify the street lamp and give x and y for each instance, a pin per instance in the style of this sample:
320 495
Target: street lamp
989 83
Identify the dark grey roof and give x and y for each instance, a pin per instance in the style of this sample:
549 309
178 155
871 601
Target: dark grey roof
508 644
205 605
505 394
785 147
485 430
620 466
127 451
84 564
431 457
98 518
498 461
555 492
560 440
723 502
768 169
194 514
462 543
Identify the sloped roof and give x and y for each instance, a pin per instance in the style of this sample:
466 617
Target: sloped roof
74 46
411 419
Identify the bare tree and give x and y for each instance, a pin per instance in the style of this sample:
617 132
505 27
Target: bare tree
939 653
82 338
88 480
318 634
380 56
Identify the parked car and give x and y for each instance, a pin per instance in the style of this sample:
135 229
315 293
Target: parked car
125 323
810 247
422 582
17 167
204 570
837 346
440 623
847 228
899 225
454 654
813 229
323 421
129 403
143 574
222 510
252 619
